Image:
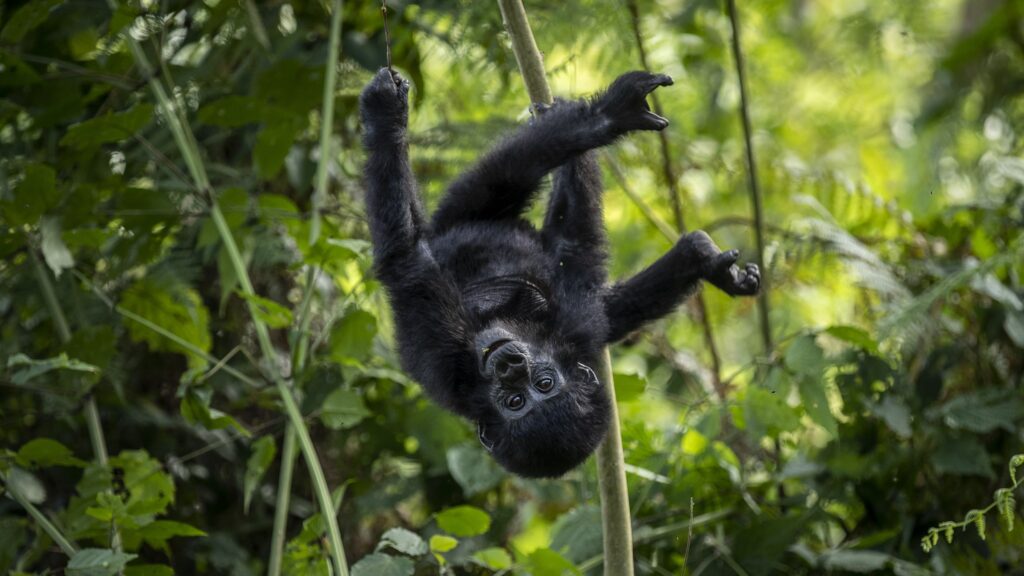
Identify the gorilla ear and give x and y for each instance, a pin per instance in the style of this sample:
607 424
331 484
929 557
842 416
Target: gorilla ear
481 432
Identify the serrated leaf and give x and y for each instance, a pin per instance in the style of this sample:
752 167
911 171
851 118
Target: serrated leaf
493 558
343 409
35 368
383 565
352 337
403 541
177 309
112 127
767 414
97 562
473 468
157 533
262 456
577 534
55 252
464 521
983 411
43 452
804 356
962 457
267 311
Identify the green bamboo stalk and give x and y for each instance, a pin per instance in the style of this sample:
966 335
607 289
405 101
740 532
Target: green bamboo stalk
91 411
65 544
611 472
189 150
300 341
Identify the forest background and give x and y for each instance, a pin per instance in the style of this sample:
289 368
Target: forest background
187 303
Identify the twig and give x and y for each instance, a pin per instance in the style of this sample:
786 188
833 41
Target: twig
387 34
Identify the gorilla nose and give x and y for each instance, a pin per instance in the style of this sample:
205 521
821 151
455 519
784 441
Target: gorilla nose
510 366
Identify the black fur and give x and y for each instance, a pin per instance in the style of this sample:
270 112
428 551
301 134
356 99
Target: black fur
501 322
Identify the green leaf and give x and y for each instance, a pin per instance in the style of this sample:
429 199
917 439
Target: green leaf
493 558
36 368
26 19
759 546
112 127
33 196
853 335
233 111
403 541
860 561
805 357
148 570
473 468
383 565
895 414
767 413
464 521
26 484
577 534
962 457
272 145
195 409
343 409
547 562
815 402
628 386
55 252
175 308
984 410
43 452
441 543
267 311
352 337
97 562
157 533
262 456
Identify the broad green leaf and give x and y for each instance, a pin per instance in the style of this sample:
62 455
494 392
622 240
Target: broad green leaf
43 452
343 409
133 475
805 357
962 457
440 543
148 570
759 546
195 409
33 196
26 484
55 252
156 534
403 541
859 561
262 456
547 562
35 368
175 308
984 410
383 565
26 19
493 558
473 468
267 311
464 521
815 402
766 413
352 337
855 336
895 414
577 533
272 145
628 386
112 127
97 562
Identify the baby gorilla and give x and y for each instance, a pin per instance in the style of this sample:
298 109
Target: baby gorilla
498 321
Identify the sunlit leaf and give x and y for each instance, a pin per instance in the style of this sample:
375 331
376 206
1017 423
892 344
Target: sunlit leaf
97 562
44 452
464 521
343 409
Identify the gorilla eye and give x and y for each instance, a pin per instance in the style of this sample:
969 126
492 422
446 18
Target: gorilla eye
544 384
515 402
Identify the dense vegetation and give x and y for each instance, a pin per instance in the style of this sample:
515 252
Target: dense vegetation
182 239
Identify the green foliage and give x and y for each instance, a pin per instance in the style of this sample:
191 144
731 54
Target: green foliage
888 140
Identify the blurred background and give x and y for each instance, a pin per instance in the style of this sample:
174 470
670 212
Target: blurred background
870 426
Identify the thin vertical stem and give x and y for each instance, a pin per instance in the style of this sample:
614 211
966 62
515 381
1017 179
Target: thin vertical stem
668 171
326 120
284 487
611 471
91 410
190 152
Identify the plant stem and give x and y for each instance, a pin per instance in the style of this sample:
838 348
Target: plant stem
326 120
611 473
284 485
66 545
190 152
91 411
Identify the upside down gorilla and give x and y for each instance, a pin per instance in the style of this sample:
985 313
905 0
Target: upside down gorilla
498 321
